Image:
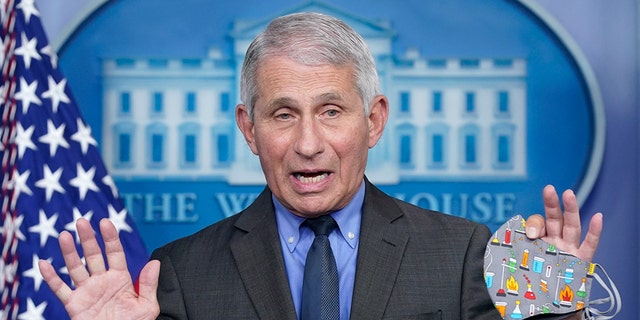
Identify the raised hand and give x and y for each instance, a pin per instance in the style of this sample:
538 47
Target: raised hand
102 293
563 230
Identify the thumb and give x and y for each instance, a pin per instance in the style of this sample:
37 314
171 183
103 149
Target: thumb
148 282
535 227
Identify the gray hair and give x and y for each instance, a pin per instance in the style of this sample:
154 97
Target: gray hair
311 39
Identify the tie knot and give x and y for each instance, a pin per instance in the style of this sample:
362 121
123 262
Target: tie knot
322 225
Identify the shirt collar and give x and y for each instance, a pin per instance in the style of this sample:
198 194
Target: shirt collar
347 218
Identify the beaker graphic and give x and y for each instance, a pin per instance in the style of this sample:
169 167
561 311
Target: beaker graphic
568 275
502 308
488 278
537 264
582 292
516 314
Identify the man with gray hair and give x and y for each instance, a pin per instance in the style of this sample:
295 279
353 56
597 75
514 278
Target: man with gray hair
321 241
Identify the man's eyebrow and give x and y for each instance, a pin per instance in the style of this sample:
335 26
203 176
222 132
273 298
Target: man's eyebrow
282 101
329 96
287 101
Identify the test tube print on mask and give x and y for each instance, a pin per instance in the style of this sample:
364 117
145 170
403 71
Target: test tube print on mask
527 277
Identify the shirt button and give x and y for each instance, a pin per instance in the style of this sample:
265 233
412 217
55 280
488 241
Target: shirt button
290 240
351 235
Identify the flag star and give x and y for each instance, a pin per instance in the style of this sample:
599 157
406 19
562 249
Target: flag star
28 50
28 8
50 182
84 180
19 184
27 94
9 271
33 312
119 219
83 136
54 137
53 57
71 226
46 227
56 93
12 226
23 140
34 273
108 181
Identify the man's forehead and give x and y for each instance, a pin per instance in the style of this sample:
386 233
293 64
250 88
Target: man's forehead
269 63
279 78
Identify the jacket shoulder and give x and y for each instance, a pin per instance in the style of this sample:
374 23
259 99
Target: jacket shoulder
209 237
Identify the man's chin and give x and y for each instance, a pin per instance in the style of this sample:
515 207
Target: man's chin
308 209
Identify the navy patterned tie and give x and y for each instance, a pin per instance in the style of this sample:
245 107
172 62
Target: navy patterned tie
320 297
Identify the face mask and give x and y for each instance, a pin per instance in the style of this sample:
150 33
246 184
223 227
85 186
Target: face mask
529 278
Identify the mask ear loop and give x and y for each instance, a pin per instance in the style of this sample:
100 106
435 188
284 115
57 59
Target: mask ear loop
614 299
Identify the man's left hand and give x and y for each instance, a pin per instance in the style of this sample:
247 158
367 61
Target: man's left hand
563 229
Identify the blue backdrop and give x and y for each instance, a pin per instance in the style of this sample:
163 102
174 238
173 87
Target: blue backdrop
606 34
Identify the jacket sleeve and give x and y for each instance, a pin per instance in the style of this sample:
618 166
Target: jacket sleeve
475 300
169 293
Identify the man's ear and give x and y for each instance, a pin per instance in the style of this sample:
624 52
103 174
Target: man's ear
378 115
245 124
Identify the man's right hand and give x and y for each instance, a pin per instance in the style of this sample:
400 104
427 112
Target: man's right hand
102 293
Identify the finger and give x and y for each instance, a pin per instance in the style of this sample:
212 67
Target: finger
571 230
92 251
148 281
112 246
77 270
552 212
57 286
590 244
535 227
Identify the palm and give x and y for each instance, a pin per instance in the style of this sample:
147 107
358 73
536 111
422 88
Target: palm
563 228
100 293
107 296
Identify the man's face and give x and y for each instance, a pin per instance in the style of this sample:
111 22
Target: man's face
311 134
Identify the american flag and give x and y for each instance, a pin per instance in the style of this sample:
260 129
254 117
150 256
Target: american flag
51 169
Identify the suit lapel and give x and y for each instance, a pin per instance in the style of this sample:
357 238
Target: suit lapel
258 256
382 246
256 250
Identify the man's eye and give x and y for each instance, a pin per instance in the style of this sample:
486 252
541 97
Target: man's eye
331 113
283 116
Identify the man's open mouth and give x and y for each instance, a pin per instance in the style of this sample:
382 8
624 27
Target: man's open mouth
311 177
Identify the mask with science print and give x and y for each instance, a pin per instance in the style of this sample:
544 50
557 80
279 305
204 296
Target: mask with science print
534 279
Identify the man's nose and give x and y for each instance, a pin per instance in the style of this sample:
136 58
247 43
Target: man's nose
309 140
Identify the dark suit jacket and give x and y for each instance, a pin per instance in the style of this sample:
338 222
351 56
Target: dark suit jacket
412 264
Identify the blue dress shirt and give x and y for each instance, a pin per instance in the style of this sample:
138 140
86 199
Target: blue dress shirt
296 242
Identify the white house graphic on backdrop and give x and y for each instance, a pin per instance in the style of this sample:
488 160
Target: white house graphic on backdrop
451 118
